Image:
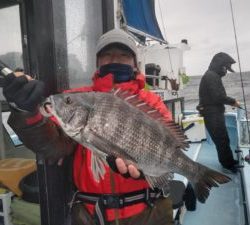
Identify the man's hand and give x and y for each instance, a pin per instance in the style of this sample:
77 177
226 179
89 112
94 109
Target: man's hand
118 165
236 104
24 91
124 169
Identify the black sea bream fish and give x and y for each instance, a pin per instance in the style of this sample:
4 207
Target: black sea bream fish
121 125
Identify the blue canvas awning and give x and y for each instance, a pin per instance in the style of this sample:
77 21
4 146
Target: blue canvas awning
140 16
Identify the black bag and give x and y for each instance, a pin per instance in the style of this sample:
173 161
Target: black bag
190 198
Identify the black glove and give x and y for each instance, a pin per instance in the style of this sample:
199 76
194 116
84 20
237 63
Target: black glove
112 164
27 95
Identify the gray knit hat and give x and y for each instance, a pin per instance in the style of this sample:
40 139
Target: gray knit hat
116 36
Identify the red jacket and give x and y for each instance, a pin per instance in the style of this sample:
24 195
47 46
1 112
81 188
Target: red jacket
83 176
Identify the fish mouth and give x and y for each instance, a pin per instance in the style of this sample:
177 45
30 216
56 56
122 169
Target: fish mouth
46 108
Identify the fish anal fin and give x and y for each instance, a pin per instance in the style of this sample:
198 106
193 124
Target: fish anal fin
161 182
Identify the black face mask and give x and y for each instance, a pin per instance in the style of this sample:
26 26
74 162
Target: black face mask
121 72
223 71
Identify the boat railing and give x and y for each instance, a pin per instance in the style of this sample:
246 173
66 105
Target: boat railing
243 130
176 106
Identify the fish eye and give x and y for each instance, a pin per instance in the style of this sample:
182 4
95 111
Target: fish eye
68 100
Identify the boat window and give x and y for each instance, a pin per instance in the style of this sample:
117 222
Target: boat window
11 55
83 28
10 38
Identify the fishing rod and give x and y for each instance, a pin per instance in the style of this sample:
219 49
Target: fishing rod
247 158
4 71
243 109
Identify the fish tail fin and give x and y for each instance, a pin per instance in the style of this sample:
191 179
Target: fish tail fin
208 179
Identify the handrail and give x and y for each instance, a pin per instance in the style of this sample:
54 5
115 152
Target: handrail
171 104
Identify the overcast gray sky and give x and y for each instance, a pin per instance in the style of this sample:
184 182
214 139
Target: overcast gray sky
206 24
208 27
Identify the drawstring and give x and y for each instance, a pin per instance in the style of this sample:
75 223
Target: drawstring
73 201
112 181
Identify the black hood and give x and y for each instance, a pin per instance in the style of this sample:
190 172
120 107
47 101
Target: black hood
219 61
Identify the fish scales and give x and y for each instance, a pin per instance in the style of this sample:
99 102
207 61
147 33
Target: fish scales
131 130
109 125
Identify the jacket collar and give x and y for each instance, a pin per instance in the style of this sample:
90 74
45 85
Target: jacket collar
106 83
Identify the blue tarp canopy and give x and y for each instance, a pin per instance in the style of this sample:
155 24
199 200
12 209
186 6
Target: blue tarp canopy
140 16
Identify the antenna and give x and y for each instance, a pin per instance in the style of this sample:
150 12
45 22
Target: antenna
247 158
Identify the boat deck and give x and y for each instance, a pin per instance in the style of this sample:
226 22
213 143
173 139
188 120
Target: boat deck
225 204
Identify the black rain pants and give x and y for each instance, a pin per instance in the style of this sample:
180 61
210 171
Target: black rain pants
216 127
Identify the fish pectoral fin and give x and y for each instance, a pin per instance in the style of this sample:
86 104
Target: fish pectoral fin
98 166
161 182
106 146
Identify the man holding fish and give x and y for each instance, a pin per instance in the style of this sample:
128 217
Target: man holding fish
103 201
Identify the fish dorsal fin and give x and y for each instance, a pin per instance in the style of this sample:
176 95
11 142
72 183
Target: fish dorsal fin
174 128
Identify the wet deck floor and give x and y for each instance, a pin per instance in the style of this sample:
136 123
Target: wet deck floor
224 205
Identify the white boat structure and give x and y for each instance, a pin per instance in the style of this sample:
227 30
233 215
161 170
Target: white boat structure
55 40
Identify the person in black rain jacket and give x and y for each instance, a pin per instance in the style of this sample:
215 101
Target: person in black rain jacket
212 98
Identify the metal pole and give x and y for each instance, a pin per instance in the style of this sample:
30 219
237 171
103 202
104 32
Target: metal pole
247 158
2 147
49 52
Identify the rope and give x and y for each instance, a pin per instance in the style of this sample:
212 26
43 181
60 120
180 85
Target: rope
112 183
241 79
164 31
164 28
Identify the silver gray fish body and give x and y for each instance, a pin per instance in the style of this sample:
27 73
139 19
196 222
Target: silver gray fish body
110 125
